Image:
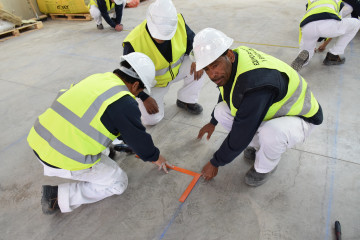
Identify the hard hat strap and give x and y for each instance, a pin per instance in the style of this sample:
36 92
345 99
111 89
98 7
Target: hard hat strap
129 71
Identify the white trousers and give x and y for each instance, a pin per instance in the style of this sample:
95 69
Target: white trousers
102 180
189 93
344 30
272 138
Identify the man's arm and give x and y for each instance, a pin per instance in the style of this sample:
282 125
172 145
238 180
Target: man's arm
190 39
119 12
104 13
248 118
123 116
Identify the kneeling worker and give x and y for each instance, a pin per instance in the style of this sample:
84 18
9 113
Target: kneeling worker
101 8
264 104
70 136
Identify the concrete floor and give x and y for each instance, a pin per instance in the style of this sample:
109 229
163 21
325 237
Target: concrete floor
315 184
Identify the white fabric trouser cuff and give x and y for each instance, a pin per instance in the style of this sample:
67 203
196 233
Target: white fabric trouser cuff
272 138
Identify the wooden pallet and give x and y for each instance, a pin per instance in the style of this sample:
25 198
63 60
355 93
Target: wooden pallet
19 30
72 16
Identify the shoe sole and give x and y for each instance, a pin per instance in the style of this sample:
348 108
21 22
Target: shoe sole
45 205
330 63
183 106
300 60
259 183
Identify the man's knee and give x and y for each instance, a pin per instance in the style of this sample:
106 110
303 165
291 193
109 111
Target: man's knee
119 186
270 135
94 12
152 119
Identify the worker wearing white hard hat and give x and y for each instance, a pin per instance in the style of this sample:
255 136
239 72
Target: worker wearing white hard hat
167 40
70 137
265 105
323 19
100 9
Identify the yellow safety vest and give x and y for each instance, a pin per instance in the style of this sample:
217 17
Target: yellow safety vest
299 100
141 41
321 6
109 5
70 134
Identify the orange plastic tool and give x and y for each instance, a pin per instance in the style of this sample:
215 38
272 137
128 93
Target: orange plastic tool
192 183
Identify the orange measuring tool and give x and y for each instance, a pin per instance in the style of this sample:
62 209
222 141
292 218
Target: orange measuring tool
192 183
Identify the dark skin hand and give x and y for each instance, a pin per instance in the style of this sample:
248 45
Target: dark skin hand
209 171
208 128
151 105
197 74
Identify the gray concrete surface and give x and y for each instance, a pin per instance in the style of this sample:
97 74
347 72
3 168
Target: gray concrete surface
315 184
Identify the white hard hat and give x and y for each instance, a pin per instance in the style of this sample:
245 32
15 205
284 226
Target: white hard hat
208 45
162 19
143 68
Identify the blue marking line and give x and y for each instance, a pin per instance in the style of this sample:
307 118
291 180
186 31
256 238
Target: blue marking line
334 151
172 220
12 144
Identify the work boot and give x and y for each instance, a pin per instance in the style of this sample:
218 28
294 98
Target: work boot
300 60
332 59
193 108
123 148
49 200
255 179
112 152
249 155
100 26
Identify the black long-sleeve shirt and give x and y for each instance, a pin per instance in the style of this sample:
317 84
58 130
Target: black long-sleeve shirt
250 114
123 116
164 48
104 13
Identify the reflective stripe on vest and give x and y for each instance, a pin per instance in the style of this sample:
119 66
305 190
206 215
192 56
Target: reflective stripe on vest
299 101
82 124
174 65
285 108
141 41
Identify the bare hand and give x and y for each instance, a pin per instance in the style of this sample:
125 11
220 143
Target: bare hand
118 27
209 171
208 128
161 162
151 105
197 74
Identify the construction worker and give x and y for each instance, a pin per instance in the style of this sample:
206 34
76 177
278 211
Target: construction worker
264 104
323 20
70 136
101 8
350 7
167 40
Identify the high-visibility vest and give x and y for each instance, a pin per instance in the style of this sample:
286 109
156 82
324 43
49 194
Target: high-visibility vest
318 7
70 134
109 5
141 41
298 101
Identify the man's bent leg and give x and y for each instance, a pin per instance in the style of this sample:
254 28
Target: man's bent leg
103 180
275 136
158 94
223 115
95 14
190 91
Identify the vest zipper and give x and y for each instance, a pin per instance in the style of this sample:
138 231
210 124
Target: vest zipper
171 72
